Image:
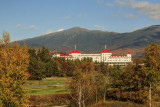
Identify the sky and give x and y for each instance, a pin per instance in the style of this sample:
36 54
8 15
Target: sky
30 18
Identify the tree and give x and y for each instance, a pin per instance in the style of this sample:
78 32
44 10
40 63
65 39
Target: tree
134 80
33 61
133 77
86 65
138 61
101 84
36 66
1 41
32 54
72 66
13 67
6 38
43 54
51 68
152 56
138 76
104 68
82 83
1 103
152 65
115 77
82 87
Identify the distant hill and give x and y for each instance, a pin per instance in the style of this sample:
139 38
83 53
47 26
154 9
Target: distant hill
93 41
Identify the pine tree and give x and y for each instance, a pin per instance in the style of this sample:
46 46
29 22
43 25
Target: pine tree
36 66
43 53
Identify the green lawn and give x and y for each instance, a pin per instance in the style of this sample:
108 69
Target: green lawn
53 85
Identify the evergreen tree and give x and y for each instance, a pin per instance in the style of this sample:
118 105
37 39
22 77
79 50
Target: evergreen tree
44 55
51 68
36 66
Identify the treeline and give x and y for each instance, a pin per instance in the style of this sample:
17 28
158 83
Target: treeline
134 82
42 65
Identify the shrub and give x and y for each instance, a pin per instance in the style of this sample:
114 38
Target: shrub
51 99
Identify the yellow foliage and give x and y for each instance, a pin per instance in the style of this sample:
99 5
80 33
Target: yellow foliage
13 66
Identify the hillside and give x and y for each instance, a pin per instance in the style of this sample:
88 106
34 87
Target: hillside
94 40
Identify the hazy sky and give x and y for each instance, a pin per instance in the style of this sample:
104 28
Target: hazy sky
30 18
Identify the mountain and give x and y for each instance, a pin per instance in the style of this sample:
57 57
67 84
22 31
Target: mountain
91 41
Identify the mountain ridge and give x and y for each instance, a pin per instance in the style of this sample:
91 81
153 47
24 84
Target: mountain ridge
94 40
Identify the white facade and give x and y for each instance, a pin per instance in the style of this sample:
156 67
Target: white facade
104 56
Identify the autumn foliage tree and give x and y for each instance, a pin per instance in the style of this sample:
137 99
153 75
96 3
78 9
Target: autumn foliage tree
101 84
135 80
82 87
13 66
82 82
152 63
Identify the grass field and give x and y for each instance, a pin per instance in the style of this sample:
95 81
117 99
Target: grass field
53 85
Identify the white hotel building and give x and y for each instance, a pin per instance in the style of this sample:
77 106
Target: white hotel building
104 56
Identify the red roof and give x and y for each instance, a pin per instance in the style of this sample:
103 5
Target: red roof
105 51
118 55
56 53
128 53
62 55
66 56
75 51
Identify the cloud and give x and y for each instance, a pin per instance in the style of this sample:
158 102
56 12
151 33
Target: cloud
131 16
144 8
49 31
32 27
99 27
18 25
59 30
